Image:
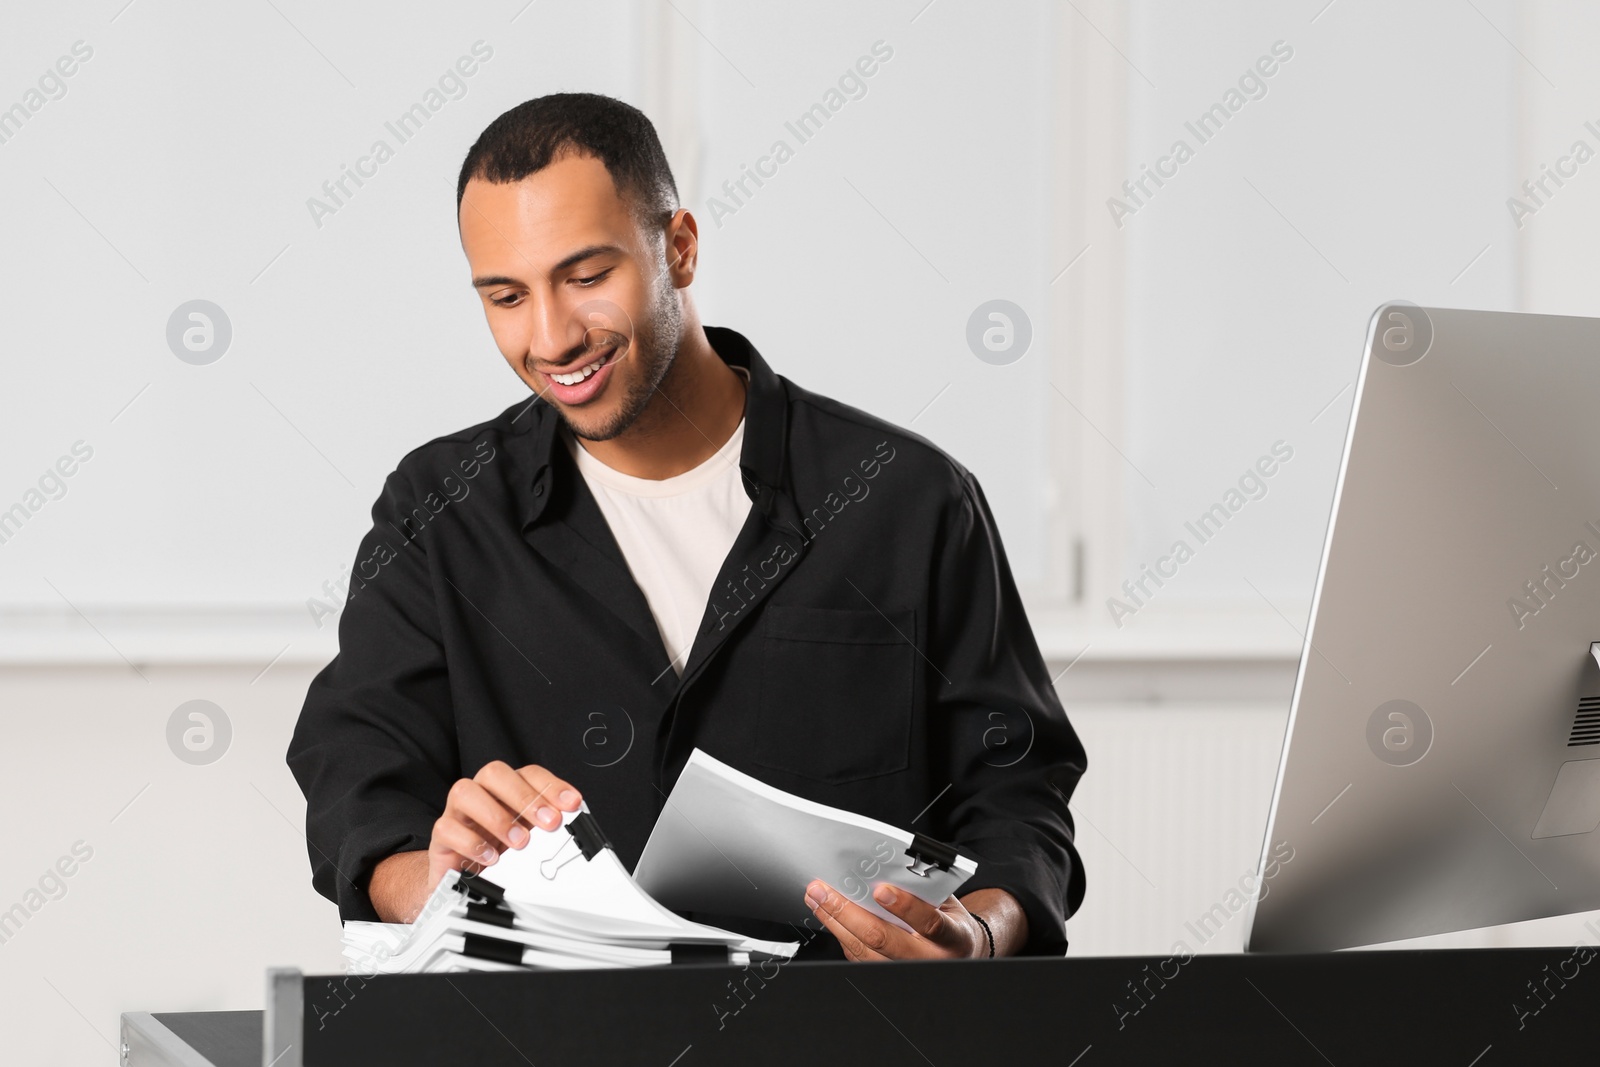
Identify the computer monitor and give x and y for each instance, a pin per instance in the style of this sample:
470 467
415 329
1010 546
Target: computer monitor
1441 767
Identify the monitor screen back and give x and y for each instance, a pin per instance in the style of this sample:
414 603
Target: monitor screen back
1441 769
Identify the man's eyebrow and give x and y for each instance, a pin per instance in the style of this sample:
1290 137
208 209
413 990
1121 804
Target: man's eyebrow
570 260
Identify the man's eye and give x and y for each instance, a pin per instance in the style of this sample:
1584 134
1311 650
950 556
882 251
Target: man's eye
591 279
505 302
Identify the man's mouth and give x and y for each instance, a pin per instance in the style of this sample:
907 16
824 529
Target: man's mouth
586 379
580 374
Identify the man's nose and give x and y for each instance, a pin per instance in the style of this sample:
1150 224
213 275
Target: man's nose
554 334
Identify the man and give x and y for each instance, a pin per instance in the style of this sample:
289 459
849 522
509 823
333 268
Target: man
673 547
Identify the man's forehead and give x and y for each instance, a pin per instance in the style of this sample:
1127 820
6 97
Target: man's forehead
568 205
572 186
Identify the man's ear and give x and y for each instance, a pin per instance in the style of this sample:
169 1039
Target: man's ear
683 248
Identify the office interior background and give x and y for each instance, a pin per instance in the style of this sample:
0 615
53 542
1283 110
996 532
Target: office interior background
1171 317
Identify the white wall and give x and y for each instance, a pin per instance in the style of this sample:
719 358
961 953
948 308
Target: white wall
1373 168
197 878
1560 261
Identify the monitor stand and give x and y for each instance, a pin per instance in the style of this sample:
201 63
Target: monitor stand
1573 806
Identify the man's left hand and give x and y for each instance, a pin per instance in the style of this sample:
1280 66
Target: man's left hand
942 932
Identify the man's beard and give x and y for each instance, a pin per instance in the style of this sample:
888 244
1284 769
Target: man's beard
654 349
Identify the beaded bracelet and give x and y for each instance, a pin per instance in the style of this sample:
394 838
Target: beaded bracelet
986 931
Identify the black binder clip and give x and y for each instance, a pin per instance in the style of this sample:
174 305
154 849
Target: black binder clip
587 833
474 885
692 953
583 831
491 948
492 914
927 854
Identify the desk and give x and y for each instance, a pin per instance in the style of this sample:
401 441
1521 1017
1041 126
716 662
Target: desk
1478 1007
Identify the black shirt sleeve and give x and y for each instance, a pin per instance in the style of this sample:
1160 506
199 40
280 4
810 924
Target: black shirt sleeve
993 701
375 747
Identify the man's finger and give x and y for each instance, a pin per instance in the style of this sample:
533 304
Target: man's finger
929 921
558 794
861 934
511 790
848 942
450 835
480 810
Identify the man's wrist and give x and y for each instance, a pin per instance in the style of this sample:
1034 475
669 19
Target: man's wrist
1005 920
398 886
988 936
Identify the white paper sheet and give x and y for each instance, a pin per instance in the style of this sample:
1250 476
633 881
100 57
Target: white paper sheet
729 844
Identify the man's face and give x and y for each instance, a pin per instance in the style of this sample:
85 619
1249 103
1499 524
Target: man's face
577 296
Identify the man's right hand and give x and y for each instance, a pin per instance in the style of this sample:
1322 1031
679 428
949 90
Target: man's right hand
484 815
492 811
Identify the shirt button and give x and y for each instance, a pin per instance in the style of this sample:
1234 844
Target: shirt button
538 490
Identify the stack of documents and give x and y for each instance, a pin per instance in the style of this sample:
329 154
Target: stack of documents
726 844
563 901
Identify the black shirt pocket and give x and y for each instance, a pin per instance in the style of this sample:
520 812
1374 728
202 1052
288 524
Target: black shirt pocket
836 692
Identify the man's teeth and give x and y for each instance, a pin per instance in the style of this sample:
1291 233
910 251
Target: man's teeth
578 375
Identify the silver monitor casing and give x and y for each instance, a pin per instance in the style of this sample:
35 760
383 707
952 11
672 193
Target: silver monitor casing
1470 482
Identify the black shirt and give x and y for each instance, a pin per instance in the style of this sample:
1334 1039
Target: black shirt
864 646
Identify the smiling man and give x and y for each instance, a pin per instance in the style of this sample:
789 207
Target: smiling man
671 546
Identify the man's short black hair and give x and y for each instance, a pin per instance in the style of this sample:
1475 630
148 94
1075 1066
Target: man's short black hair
536 133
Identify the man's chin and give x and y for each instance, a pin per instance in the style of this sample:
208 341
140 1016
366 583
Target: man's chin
592 425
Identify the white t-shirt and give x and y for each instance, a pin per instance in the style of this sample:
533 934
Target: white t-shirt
674 532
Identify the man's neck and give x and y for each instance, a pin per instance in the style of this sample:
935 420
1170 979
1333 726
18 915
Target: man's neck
693 413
